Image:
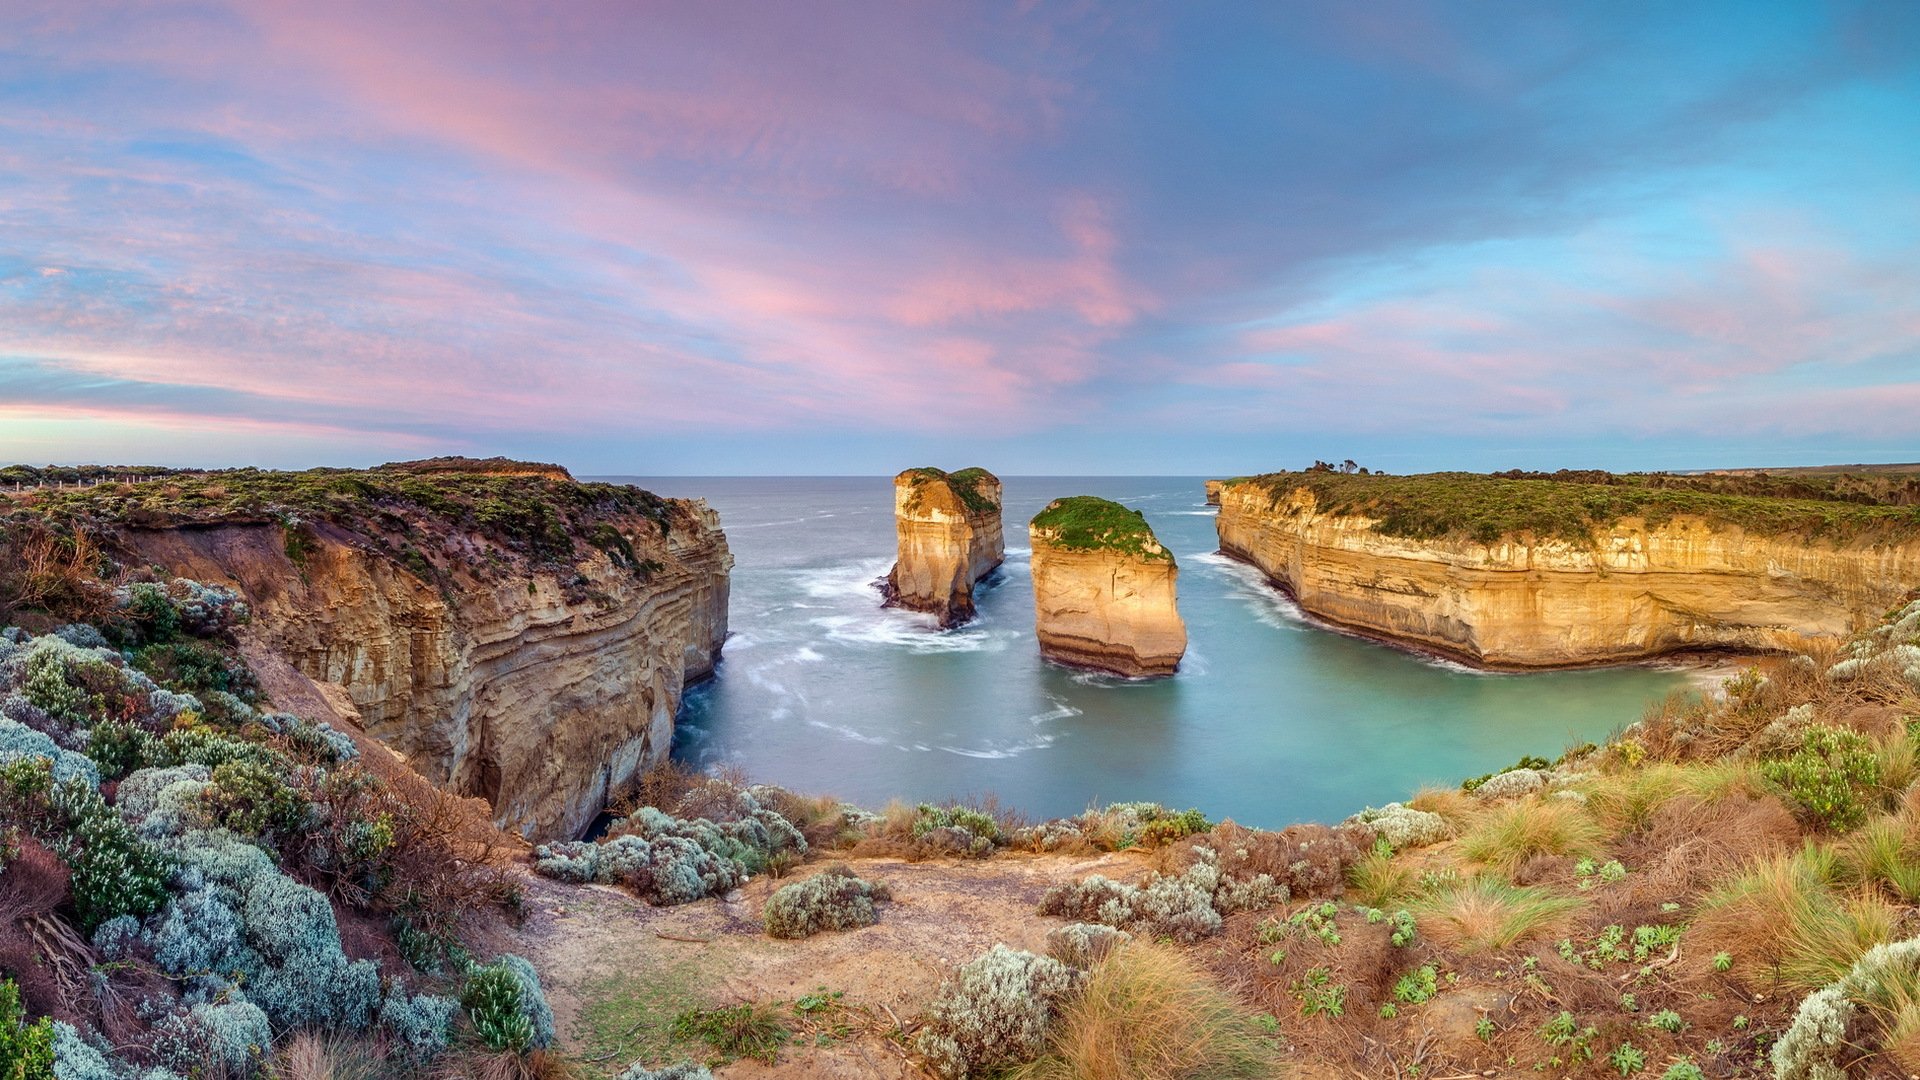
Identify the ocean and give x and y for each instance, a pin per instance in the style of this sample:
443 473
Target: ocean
1270 720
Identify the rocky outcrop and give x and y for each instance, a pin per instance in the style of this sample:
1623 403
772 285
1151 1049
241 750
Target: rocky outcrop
1213 492
470 641
1630 591
1104 590
950 539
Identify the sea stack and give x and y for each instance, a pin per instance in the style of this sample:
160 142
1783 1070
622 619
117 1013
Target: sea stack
1213 492
950 538
1103 589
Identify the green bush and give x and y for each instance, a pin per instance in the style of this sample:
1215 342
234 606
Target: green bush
26 1049
1830 776
492 1001
253 800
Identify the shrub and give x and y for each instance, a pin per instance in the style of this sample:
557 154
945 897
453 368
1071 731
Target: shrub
507 1006
227 1038
419 1024
26 1049
1083 945
1830 776
1812 1046
1148 1013
996 1011
834 899
253 800
1187 907
1485 914
668 860
1782 911
1402 826
685 1070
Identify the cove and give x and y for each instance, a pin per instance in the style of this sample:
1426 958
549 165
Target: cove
1271 719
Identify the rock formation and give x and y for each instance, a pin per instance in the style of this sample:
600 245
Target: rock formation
1104 589
1213 492
530 649
1629 591
950 538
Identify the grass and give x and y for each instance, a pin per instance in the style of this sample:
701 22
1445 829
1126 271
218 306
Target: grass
1571 506
1510 835
1149 1013
968 486
1884 853
749 1030
1485 914
630 1016
1378 879
1090 523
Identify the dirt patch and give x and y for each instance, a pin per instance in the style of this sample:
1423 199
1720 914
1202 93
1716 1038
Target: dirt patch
617 970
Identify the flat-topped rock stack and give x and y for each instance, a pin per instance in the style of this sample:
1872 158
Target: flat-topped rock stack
950 539
1104 589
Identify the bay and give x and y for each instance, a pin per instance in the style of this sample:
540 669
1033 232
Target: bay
1270 720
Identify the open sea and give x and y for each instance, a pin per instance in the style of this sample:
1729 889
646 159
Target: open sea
1270 720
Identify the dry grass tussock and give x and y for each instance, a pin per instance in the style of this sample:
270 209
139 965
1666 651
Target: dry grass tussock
1782 918
312 1056
1149 1013
1506 837
1485 914
477 1064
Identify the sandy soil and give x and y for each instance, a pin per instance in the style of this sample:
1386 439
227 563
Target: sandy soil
944 913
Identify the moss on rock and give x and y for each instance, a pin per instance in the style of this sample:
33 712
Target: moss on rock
1090 523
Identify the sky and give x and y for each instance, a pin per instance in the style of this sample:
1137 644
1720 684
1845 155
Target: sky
1128 238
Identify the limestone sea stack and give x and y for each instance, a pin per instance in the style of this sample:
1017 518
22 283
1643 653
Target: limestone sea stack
950 538
1104 589
1213 492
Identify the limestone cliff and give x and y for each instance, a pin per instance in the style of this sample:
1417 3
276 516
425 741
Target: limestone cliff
1104 589
1213 492
950 538
516 636
1636 587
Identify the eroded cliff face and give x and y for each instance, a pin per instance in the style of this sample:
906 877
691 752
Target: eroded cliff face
951 538
1107 609
536 687
1634 591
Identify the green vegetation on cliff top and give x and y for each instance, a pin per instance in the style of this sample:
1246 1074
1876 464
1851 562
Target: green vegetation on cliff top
539 512
1569 505
1090 523
966 484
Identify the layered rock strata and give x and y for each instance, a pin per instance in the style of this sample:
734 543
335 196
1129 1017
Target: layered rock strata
950 538
1213 492
1630 591
1104 590
538 683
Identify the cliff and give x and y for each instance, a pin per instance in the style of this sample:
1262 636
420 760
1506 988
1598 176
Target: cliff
516 635
1104 589
1674 571
950 538
1213 491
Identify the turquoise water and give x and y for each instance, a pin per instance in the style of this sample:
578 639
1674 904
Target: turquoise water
1270 720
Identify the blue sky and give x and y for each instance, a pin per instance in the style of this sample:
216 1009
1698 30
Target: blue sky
1152 238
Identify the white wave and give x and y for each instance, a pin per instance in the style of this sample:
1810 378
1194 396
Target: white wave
1001 752
1191 513
845 581
1247 584
1060 711
915 633
807 655
850 733
766 524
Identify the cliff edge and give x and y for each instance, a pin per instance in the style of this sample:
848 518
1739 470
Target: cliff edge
1104 589
950 536
1538 570
515 634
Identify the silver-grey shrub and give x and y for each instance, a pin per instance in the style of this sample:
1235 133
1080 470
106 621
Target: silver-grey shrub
834 899
995 1012
419 1024
1082 945
1812 1045
1186 907
685 1070
224 1038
